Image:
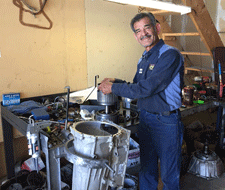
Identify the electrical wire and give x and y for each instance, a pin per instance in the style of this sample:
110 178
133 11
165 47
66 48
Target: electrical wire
33 9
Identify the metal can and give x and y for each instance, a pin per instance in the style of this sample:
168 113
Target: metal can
187 94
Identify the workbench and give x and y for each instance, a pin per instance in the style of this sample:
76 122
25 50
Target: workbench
9 120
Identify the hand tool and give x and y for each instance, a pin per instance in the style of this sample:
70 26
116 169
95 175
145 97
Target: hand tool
220 81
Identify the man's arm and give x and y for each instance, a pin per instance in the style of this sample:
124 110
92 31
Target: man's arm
106 84
157 81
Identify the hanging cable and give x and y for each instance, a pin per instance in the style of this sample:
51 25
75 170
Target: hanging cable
33 9
19 4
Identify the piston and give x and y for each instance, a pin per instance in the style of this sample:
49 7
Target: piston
106 99
110 116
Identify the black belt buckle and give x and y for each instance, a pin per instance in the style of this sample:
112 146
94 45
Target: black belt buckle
168 113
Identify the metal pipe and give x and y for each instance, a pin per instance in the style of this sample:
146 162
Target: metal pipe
67 105
96 83
106 109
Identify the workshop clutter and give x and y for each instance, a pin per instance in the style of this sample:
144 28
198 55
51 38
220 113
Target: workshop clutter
25 180
133 154
29 164
93 136
11 99
200 91
130 182
188 95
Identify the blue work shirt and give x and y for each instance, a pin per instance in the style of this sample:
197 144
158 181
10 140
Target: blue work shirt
158 81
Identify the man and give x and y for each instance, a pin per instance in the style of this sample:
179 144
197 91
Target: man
157 85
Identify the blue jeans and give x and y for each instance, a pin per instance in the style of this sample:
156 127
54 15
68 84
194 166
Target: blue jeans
160 138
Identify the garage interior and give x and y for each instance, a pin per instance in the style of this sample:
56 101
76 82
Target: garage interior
69 46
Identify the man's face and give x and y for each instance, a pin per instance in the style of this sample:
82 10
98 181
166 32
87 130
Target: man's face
146 33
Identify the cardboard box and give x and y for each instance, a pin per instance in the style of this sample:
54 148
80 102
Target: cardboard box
11 99
133 154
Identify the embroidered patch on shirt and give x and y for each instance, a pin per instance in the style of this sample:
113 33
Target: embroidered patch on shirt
140 71
151 66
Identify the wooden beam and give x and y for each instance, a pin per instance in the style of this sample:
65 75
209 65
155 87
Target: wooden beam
164 35
181 34
199 69
195 53
204 24
163 12
165 28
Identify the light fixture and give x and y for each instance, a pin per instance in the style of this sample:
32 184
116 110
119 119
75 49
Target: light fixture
168 6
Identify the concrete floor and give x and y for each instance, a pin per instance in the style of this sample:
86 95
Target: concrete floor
191 182
188 181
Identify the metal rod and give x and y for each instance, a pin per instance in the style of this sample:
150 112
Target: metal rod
96 76
106 109
113 171
67 105
96 82
36 164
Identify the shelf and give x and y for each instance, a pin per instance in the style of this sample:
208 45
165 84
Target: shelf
164 35
207 70
195 53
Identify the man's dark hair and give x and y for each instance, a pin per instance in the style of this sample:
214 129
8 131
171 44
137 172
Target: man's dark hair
139 16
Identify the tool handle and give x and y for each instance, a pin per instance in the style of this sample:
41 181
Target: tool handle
219 67
221 90
220 81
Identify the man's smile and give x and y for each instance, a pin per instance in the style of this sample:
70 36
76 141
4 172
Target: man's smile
144 37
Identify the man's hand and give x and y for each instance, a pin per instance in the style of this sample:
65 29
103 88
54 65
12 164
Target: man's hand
105 87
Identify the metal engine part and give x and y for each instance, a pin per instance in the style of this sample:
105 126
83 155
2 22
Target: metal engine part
133 105
94 142
206 164
198 79
113 116
106 99
126 102
130 182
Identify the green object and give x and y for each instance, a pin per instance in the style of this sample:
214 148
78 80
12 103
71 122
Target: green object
197 86
198 102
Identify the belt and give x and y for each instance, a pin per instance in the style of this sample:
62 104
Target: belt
166 113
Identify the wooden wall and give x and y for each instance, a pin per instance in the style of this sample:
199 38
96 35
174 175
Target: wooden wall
43 54
112 50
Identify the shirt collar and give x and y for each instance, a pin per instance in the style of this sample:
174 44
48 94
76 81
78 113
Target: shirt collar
155 48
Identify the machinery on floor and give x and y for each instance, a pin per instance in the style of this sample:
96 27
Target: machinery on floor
206 164
94 137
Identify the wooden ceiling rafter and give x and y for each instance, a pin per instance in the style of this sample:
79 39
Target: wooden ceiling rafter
203 24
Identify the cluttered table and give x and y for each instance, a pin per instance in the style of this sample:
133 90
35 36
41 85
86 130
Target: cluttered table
195 108
10 120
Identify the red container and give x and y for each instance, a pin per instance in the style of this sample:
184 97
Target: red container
188 95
